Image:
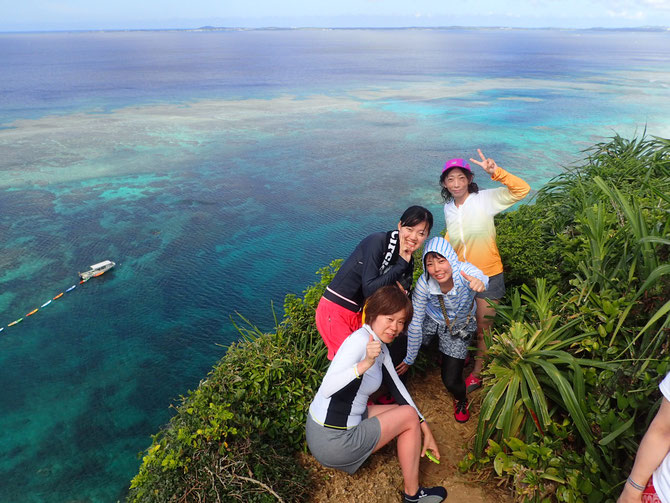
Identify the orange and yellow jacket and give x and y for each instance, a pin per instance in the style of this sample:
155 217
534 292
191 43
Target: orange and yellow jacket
470 228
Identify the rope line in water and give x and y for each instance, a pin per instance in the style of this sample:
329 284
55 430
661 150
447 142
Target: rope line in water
16 322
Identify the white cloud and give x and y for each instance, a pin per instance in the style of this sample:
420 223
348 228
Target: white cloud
624 14
656 4
637 4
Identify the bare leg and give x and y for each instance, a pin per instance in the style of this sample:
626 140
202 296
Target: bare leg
485 315
401 422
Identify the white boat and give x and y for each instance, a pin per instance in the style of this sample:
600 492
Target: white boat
97 269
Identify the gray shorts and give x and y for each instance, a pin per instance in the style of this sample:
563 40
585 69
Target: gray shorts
345 450
496 289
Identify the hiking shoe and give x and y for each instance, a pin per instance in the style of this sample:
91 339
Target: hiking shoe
461 411
472 382
428 495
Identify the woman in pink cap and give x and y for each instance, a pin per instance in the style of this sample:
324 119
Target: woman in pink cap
469 214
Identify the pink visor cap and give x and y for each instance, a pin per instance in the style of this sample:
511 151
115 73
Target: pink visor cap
456 163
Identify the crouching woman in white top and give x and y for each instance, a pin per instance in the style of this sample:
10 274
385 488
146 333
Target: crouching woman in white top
342 429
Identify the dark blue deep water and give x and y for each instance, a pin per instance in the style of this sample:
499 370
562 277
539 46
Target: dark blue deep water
220 170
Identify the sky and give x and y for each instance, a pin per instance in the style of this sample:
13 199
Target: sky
38 15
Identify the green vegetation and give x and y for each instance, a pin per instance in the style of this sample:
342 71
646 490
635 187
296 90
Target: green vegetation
575 358
234 438
574 367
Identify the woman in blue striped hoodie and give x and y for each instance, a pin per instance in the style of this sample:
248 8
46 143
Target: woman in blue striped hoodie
444 305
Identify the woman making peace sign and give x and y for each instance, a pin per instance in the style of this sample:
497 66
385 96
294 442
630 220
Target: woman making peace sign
469 216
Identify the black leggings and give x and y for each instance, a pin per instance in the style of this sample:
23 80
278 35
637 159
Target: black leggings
452 376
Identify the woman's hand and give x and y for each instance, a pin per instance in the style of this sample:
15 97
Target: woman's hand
401 368
487 164
476 284
630 495
402 288
405 250
428 441
372 350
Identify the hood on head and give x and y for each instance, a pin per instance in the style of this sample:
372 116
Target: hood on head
442 247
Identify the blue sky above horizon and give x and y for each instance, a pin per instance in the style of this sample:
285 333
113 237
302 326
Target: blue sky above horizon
37 15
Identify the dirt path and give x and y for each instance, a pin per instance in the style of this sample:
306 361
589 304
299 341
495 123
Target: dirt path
380 480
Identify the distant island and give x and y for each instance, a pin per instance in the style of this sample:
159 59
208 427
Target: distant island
427 28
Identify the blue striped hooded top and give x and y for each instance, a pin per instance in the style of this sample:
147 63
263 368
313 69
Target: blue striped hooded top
459 301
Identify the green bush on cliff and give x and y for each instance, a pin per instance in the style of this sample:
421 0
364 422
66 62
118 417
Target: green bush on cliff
235 436
526 247
572 381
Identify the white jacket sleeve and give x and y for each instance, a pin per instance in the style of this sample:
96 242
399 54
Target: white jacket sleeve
341 371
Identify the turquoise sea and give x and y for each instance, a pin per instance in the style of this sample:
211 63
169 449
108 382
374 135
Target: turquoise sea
220 170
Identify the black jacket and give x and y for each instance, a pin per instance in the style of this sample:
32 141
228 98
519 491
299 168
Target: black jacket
374 263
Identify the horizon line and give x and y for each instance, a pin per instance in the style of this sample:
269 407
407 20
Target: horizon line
659 28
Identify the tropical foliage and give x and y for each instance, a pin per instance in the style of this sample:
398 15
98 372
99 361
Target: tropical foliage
574 367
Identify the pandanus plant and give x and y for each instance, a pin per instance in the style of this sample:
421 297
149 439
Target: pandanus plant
531 375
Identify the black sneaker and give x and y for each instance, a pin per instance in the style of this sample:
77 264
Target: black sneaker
428 495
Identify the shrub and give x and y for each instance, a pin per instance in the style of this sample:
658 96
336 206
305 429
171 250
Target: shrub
235 436
572 381
298 323
526 248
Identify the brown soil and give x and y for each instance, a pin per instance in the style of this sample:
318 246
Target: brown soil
379 480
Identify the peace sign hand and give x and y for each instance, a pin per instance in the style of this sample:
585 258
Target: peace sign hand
487 164
476 284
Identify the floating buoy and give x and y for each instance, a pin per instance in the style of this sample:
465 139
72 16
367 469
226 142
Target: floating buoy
58 296
31 312
71 288
46 303
15 322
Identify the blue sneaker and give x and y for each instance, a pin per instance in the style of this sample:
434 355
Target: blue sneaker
428 495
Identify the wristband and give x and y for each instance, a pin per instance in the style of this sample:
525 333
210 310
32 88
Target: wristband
358 376
634 484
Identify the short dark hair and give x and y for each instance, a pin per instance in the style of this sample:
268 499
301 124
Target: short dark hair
388 300
414 215
473 188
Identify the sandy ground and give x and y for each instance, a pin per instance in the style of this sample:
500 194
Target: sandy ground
379 480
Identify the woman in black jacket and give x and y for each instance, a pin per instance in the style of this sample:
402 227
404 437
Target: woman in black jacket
382 258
